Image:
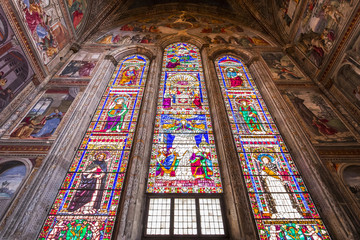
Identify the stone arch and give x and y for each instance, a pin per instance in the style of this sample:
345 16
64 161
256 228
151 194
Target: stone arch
355 188
122 52
12 182
243 54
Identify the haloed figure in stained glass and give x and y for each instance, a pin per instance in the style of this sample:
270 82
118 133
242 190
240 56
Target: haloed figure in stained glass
129 76
249 114
167 163
276 183
87 198
201 166
196 101
234 76
116 115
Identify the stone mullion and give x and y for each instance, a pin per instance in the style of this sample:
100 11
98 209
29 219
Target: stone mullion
240 223
27 218
338 217
130 220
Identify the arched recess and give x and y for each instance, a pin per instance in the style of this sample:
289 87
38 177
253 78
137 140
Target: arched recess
278 196
184 172
13 174
309 164
350 174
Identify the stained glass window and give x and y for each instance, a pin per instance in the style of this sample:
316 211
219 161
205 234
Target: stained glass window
184 158
280 201
87 202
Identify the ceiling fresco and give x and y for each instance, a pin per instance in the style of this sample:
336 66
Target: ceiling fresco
149 30
321 26
44 22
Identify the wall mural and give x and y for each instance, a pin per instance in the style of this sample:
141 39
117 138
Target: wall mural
351 176
150 30
77 10
282 68
15 70
321 26
82 65
45 24
322 123
44 118
11 175
286 11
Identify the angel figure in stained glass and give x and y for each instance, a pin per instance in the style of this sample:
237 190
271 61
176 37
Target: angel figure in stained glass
291 231
116 115
173 62
129 76
250 115
234 77
87 199
276 186
185 54
313 232
201 165
273 233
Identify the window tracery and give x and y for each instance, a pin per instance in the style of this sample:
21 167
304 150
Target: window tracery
88 200
281 204
184 159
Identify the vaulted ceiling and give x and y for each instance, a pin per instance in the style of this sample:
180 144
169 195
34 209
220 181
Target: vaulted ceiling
258 15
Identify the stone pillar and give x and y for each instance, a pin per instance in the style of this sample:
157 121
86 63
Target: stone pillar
133 205
28 216
341 221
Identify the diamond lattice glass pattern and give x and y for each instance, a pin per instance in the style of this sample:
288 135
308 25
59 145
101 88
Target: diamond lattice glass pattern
87 202
183 158
281 205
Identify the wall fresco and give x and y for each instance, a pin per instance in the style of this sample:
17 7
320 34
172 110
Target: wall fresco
82 65
44 24
77 10
286 11
282 68
46 115
321 25
15 70
322 123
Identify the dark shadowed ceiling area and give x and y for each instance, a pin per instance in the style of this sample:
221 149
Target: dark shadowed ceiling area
149 3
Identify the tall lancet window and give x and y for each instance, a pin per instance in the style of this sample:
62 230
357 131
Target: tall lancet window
87 203
184 186
281 204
